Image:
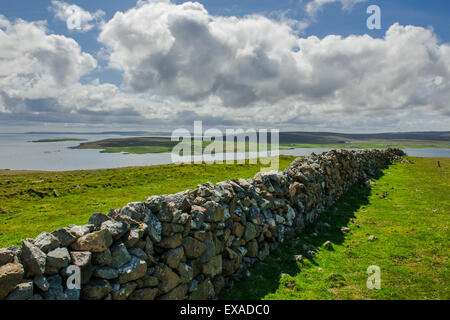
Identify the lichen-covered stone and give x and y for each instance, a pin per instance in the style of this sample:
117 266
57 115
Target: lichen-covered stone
97 241
97 219
65 236
133 270
33 259
46 242
193 248
144 294
11 275
6 256
23 291
116 228
173 257
167 278
97 289
57 259
81 258
205 291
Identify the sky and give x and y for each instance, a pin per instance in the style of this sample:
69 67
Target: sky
158 65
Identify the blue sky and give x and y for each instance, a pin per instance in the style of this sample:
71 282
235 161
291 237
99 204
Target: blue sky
331 19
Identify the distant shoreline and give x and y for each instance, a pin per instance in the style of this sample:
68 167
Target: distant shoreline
57 140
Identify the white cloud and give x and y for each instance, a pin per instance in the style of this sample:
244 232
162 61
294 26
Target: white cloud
182 64
33 62
315 6
75 17
183 52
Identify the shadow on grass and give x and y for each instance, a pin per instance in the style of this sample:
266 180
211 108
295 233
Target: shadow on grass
264 275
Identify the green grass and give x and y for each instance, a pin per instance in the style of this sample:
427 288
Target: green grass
33 202
137 149
407 210
163 146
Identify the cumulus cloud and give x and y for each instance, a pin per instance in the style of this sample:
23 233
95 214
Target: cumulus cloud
33 62
183 52
180 64
35 67
315 6
75 17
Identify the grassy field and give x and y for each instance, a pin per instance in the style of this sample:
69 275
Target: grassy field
32 202
407 210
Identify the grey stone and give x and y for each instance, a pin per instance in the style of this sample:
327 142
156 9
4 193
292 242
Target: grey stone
56 290
58 258
65 236
103 258
120 255
204 291
22 291
250 232
154 228
133 237
97 219
72 294
135 210
171 242
139 253
97 289
116 228
33 259
133 270
122 292
213 267
179 293
193 286
6 256
97 241
173 257
46 242
193 248
186 272
80 231
42 283
144 294
107 273
167 278
11 274
81 258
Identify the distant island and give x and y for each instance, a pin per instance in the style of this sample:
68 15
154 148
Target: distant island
288 140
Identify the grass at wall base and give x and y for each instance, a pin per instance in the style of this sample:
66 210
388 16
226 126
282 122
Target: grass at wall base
406 212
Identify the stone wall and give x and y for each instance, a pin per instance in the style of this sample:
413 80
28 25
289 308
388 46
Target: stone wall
188 245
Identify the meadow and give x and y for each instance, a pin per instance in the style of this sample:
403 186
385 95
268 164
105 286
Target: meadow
35 201
400 223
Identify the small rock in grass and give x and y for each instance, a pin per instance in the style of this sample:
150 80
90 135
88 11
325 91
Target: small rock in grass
345 230
328 245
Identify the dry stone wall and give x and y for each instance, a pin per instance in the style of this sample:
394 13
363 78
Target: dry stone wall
188 245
